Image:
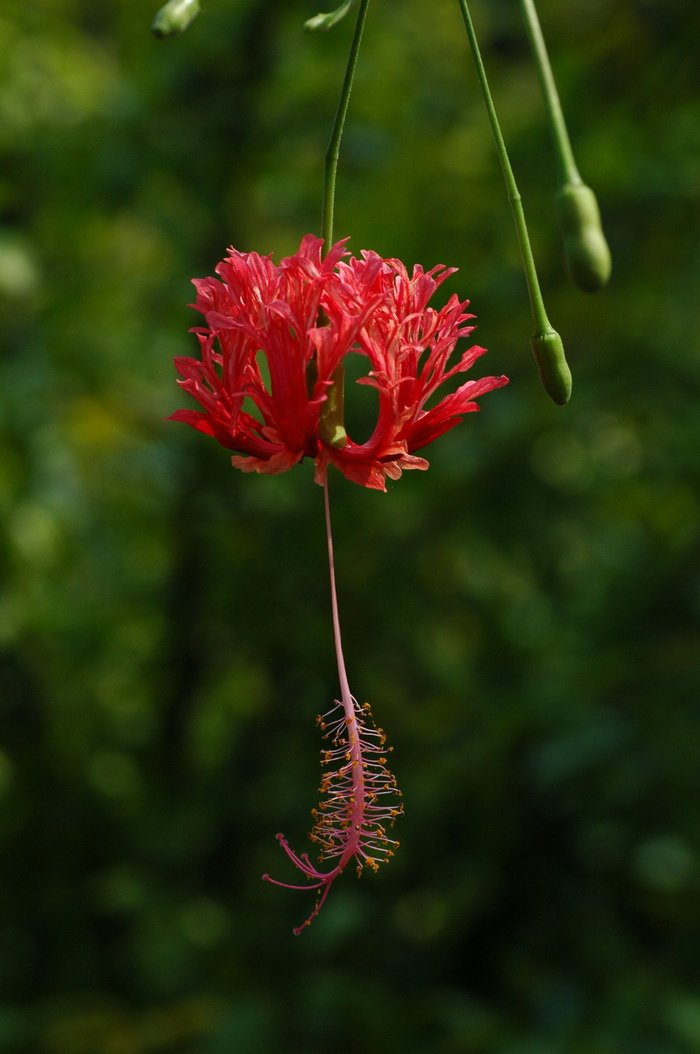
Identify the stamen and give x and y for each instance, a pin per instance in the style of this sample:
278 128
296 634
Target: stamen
350 820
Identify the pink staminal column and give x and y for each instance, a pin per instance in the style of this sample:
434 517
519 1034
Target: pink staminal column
359 795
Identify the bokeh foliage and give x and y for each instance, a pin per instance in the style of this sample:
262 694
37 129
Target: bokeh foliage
525 617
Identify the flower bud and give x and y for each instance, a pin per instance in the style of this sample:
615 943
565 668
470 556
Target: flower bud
586 251
554 371
174 17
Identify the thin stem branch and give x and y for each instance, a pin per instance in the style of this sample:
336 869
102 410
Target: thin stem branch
568 170
330 168
542 324
331 427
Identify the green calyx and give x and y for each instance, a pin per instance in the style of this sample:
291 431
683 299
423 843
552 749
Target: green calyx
174 17
553 368
331 427
586 252
323 22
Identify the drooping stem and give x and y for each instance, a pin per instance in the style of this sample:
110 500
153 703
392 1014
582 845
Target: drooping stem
568 171
333 152
546 343
331 424
538 310
586 251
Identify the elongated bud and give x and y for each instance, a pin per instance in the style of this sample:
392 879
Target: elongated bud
586 251
554 371
323 22
174 17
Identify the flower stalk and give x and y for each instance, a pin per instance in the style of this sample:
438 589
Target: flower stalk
546 342
566 163
330 168
331 424
586 252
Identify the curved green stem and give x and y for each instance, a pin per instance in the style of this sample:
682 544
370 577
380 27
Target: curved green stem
586 252
568 170
330 168
331 426
546 342
536 302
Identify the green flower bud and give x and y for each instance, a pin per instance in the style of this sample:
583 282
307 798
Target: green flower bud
321 23
554 371
586 251
174 17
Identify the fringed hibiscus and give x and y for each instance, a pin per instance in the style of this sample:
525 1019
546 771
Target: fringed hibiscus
269 380
270 384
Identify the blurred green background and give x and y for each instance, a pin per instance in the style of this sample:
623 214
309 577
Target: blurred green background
525 617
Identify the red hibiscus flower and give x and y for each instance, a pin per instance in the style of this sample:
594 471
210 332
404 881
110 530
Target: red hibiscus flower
274 342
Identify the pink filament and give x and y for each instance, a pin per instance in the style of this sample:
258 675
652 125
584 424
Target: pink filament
349 818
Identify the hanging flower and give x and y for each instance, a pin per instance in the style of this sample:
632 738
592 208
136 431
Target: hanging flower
274 343
270 386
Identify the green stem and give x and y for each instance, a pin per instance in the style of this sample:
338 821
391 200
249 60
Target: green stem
330 167
538 311
568 170
546 342
586 252
331 425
